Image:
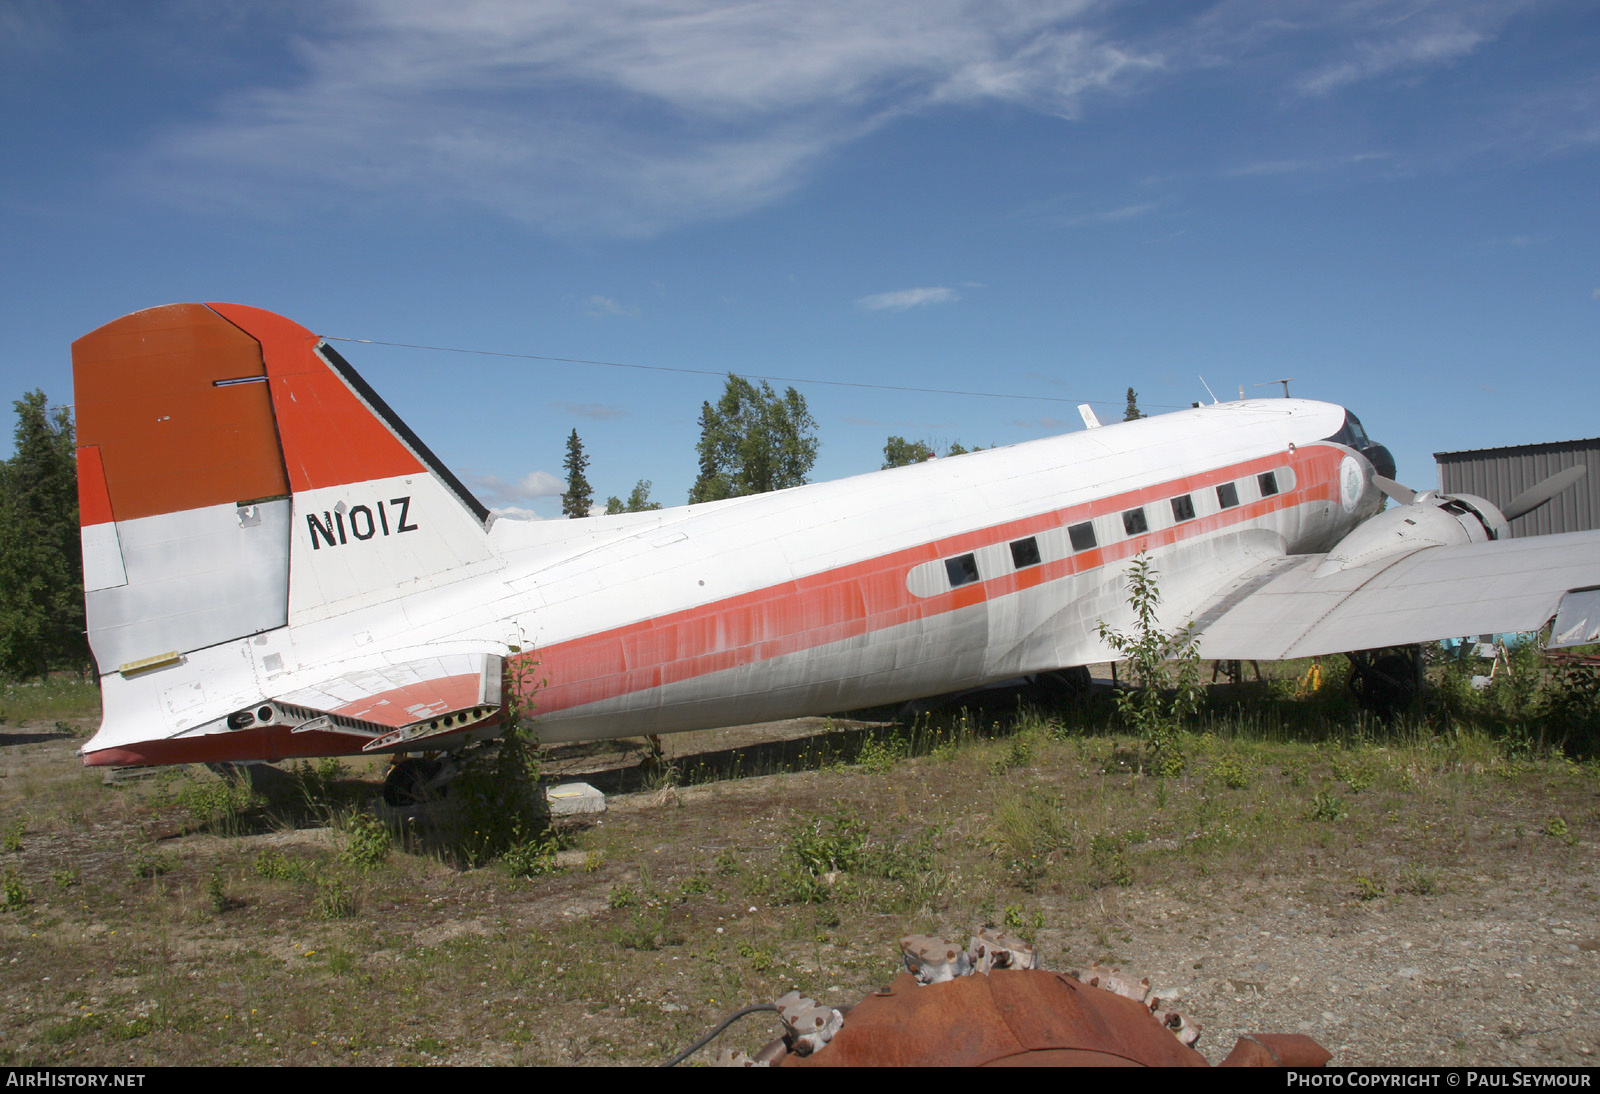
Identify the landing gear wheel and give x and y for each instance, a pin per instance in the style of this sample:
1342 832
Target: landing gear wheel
406 785
1386 682
1065 685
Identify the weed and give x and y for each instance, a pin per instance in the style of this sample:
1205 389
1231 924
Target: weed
317 781
13 893
622 896
1327 807
879 754
646 928
1030 830
824 848
1231 770
274 865
217 893
1368 888
760 958
726 862
149 864
501 804
65 877
334 899
1110 862
1145 707
218 804
531 857
12 839
1418 881
366 842
1557 827
1019 753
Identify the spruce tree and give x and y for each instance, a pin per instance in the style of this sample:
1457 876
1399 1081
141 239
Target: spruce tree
579 496
41 561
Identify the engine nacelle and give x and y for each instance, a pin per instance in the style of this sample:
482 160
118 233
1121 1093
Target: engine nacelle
1431 520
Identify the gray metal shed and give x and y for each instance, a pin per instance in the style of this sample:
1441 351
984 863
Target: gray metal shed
1500 474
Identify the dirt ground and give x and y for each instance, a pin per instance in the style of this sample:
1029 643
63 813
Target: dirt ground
665 920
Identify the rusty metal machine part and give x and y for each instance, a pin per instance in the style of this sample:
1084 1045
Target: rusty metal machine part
991 1006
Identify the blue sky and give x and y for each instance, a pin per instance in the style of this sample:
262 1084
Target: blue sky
1395 203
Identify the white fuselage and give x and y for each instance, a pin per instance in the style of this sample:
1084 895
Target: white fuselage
878 588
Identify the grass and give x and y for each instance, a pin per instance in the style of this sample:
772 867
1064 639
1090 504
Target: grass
59 697
158 926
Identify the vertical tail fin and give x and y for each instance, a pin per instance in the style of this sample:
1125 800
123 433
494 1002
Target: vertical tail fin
236 475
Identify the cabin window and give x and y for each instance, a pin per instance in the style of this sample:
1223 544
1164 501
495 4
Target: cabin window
1227 495
1082 536
1133 522
1269 483
963 570
1183 507
1025 553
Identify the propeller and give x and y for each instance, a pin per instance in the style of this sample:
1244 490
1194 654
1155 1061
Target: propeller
1396 492
1541 491
1525 502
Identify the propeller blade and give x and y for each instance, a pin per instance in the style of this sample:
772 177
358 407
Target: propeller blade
1542 491
1396 492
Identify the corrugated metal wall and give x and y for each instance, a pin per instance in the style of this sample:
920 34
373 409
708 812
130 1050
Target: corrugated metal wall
1500 474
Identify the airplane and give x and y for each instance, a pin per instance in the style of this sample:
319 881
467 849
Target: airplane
277 567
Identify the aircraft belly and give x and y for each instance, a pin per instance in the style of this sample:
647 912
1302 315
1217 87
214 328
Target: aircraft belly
907 661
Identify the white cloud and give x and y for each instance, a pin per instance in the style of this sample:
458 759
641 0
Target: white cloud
903 299
613 115
599 306
628 118
1113 215
1329 45
499 494
1304 166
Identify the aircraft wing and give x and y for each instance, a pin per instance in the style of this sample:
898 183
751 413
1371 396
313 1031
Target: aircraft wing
1283 608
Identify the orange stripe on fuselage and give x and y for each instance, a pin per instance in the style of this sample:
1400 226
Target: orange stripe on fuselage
871 595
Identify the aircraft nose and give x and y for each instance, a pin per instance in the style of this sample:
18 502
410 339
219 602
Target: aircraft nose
1381 459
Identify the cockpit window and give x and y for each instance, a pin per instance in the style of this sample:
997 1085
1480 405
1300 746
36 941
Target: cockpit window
1351 434
1354 425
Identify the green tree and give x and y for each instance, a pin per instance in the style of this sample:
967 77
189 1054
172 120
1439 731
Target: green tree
1146 707
41 561
899 452
638 501
580 495
752 441
1132 413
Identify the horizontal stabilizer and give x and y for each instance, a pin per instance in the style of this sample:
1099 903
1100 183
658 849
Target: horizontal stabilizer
421 698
